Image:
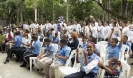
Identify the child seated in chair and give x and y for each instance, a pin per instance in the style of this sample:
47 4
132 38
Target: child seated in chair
125 42
113 69
60 59
56 39
113 48
48 54
89 55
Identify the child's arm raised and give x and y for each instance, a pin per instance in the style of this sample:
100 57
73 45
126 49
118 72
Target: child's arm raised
109 38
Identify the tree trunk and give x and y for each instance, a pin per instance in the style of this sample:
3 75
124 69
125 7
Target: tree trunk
21 13
67 11
35 10
11 12
38 15
124 5
53 11
17 16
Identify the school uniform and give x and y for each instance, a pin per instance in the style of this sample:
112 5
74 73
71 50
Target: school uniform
114 51
94 31
85 30
32 53
77 27
48 48
26 26
131 38
129 45
64 52
100 28
106 32
23 49
82 74
51 37
16 47
125 31
56 40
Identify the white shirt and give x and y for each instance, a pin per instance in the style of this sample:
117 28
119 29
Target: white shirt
86 31
26 26
100 28
36 26
26 41
106 32
77 27
116 32
94 31
32 25
48 25
29 36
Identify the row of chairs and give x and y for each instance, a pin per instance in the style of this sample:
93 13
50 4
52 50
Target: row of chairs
61 71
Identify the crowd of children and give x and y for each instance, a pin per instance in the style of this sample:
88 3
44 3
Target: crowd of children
26 42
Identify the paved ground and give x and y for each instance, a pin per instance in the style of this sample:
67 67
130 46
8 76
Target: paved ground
13 70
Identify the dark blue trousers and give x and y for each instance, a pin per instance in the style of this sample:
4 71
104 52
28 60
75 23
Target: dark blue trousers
81 74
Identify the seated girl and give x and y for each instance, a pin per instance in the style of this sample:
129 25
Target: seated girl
87 58
113 48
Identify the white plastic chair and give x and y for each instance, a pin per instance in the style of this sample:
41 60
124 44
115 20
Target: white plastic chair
65 70
34 58
42 51
125 70
103 42
80 41
103 52
122 51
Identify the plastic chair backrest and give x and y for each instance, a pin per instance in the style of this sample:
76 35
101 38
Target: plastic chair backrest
41 48
103 51
125 70
103 42
121 54
78 65
69 59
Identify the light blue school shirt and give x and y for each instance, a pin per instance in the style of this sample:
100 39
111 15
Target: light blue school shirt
90 58
64 52
56 40
37 46
50 48
84 46
128 44
114 51
51 37
18 40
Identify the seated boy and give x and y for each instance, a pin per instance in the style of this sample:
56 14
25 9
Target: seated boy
48 54
61 57
125 42
35 49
